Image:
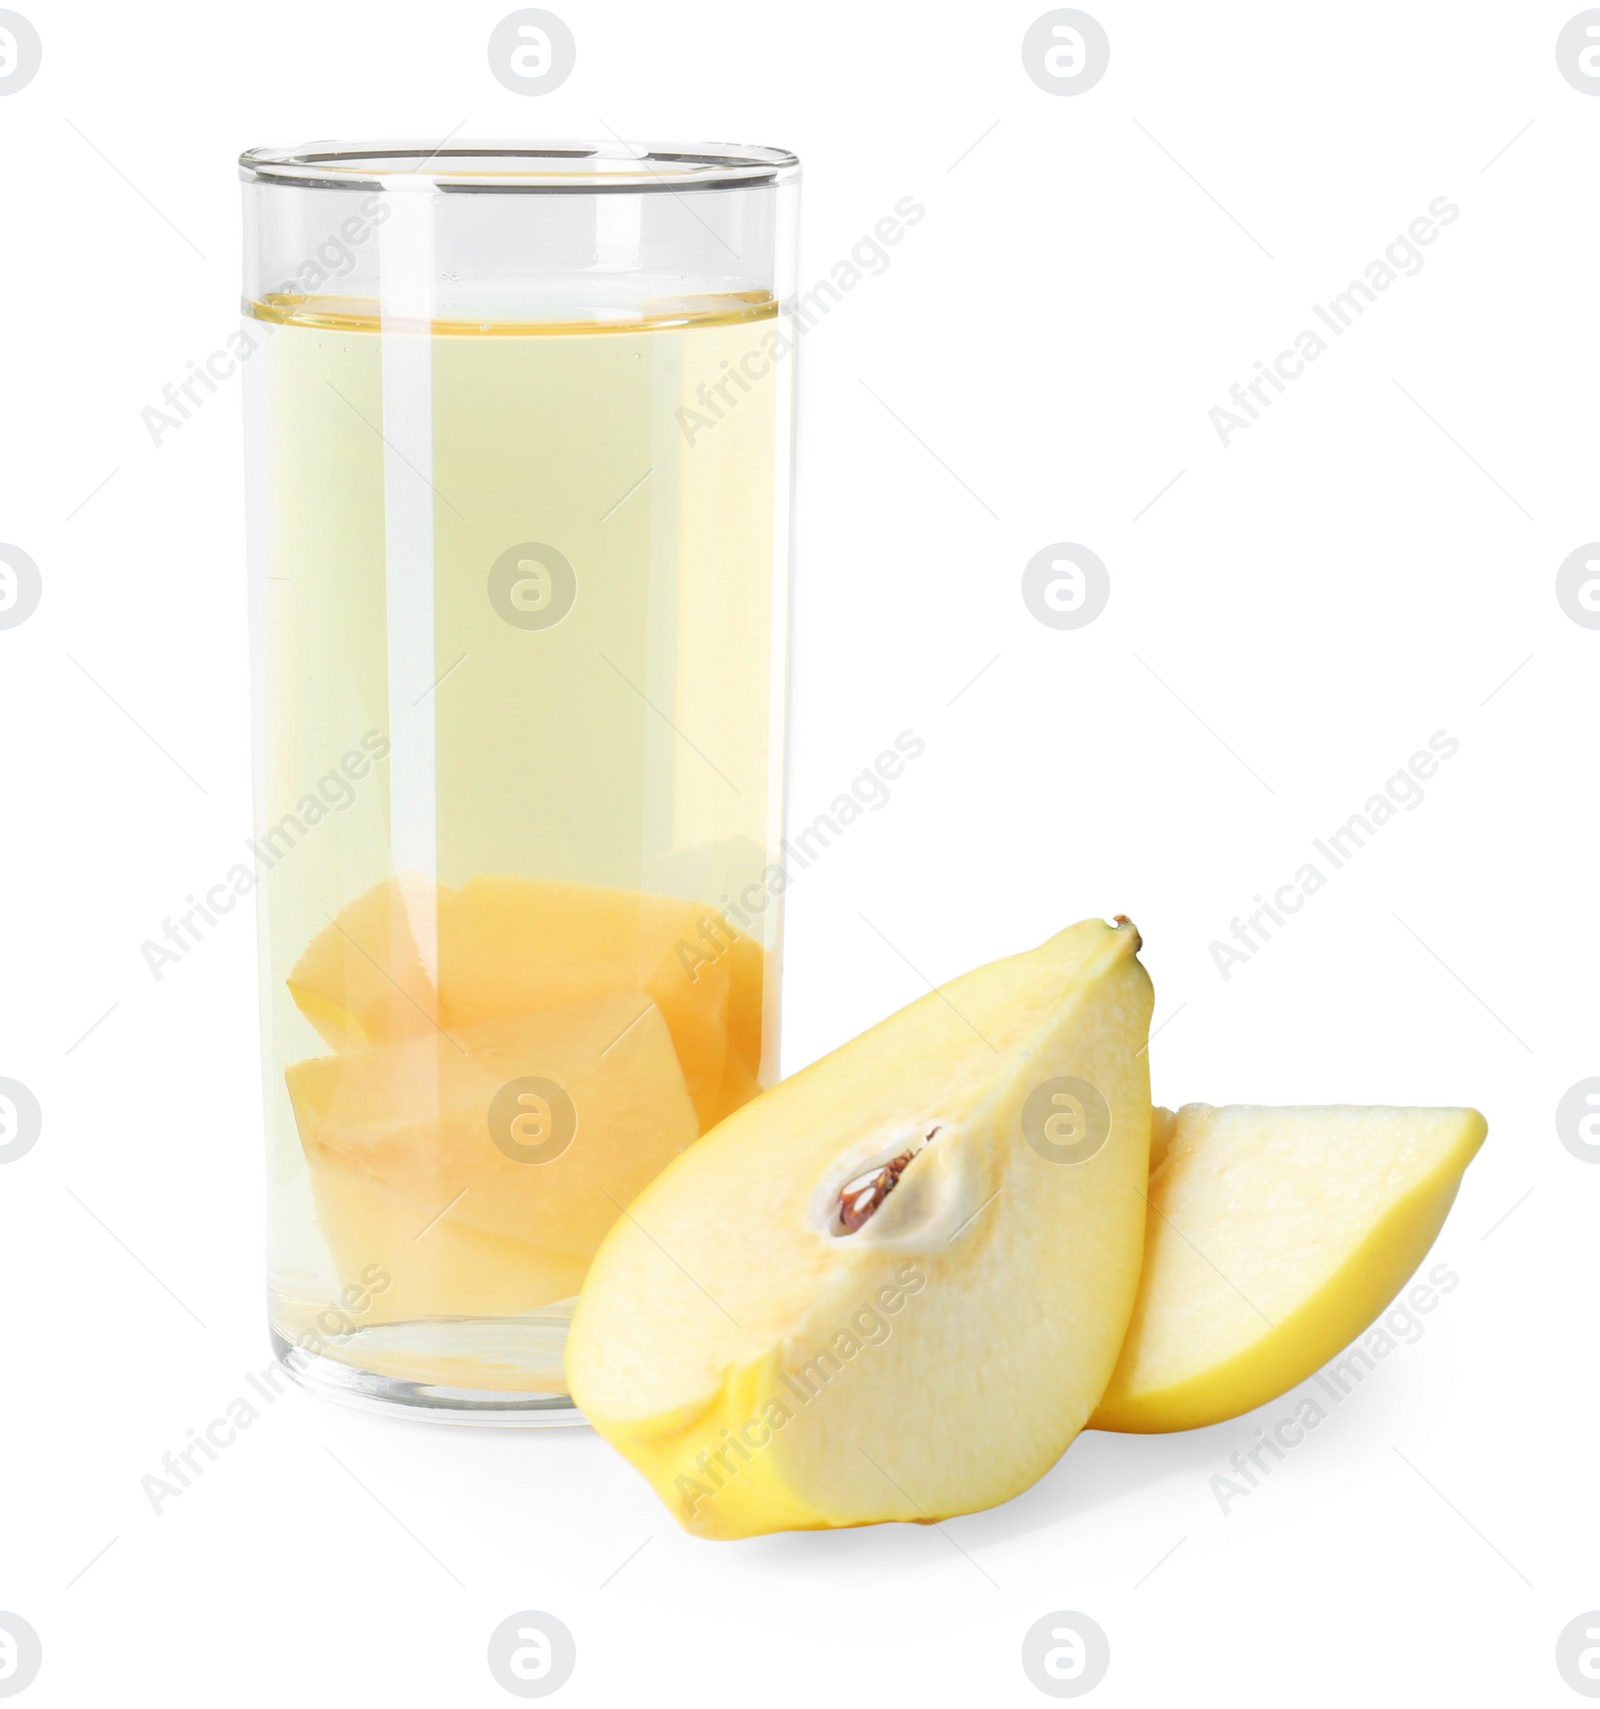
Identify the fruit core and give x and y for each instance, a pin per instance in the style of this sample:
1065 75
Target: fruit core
862 1194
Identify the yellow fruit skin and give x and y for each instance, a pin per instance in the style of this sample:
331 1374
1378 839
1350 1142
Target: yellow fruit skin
1303 1342
705 1499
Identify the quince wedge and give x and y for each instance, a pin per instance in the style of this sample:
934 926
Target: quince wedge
428 1266
538 1129
410 957
894 1286
1277 1236
369 977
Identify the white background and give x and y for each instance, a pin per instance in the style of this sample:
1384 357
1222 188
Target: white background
1366 565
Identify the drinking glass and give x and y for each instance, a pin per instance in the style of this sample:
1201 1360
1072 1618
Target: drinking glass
518 465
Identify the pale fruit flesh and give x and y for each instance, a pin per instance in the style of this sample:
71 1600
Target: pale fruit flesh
410 1263
402 1133
410 957
433 998
766 1370
1276 1237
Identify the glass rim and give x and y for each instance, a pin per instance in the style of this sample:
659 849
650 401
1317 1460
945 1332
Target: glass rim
559 167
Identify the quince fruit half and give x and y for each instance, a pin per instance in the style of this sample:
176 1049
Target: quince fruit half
895 1286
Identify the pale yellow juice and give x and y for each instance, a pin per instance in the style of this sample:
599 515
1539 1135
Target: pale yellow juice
520 658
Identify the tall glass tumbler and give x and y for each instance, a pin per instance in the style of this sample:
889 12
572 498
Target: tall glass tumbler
518 456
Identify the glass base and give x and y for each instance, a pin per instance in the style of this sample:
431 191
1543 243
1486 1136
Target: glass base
484 1371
